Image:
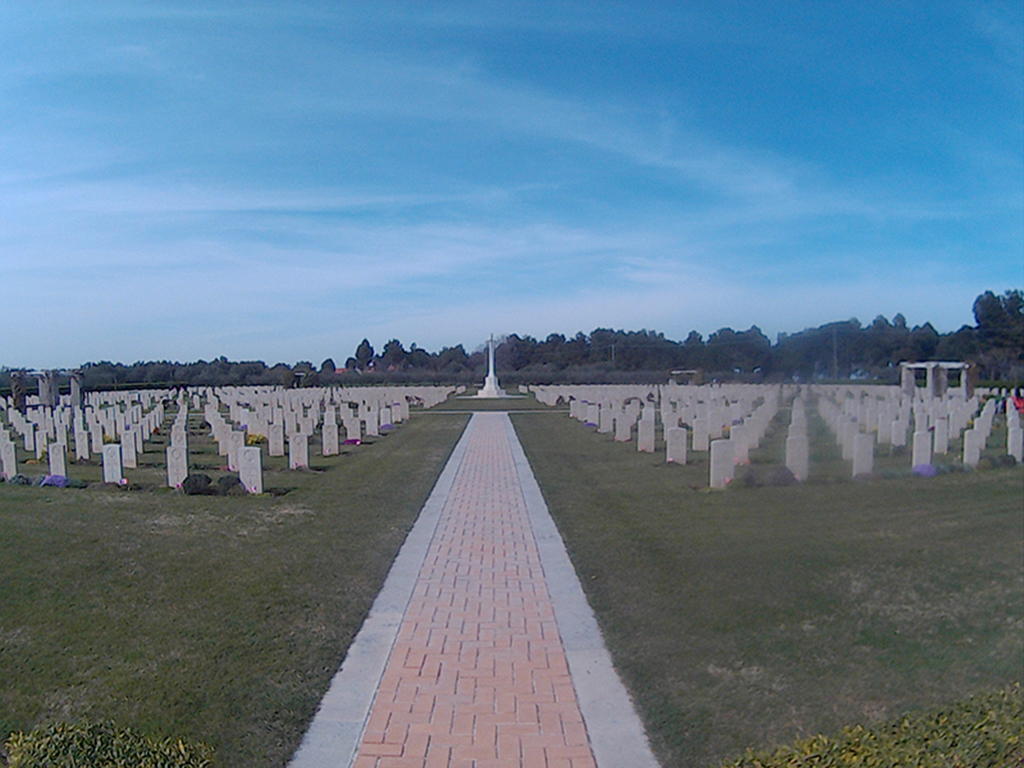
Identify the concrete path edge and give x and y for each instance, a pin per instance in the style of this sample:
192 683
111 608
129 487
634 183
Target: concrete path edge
617 735
333 736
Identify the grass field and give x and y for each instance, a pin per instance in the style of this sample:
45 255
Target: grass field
221 619
748 617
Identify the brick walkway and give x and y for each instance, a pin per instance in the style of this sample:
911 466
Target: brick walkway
478 677
476 674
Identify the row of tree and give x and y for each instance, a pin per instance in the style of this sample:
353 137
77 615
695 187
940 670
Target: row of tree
834 351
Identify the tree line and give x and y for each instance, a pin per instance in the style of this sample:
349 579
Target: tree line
835 351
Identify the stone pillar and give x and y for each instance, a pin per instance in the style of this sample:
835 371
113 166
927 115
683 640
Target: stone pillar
177 465
940 382
76 390
722 463
112 463
907 384
675 445
251 468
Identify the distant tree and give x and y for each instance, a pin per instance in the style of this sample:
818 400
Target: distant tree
1000 330
328 367
419 358
394 355
452 359
364 355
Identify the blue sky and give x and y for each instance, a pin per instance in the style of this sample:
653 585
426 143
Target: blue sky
276 181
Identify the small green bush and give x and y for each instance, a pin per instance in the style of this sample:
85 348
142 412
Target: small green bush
101 745
982 732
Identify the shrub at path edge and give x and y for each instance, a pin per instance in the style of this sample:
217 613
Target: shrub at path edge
981 731
101 745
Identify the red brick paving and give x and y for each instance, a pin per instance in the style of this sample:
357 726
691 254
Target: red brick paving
478 677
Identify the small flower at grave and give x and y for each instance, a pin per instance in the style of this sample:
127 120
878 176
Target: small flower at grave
255 439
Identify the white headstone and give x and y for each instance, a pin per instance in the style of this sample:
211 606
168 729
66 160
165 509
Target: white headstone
177 465
940 440
922 449
128 457
329 438
739 436
8 460
700 434
973 445
112 463
645 435
798 456
251 469
372 423
275 440
1015 442
56 458
722 463
298 450
863 455
81 443
675 445
623 427
235 442
848 431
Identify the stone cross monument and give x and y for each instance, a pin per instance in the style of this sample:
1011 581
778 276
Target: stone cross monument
491 388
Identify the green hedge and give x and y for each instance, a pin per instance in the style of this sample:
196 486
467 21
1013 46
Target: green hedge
982 732
101 745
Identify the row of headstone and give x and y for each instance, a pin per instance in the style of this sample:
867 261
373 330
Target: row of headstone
116 425
858 415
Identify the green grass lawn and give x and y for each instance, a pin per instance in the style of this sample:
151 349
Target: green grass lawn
749 617
220 619
739 619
